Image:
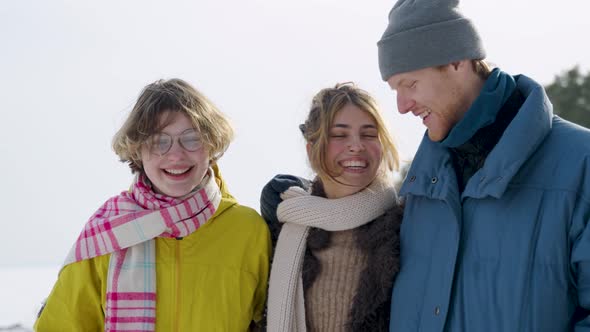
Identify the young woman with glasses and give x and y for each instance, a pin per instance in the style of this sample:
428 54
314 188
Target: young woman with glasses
175 252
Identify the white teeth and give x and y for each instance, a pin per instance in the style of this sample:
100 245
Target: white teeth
354 163
177 171
424 114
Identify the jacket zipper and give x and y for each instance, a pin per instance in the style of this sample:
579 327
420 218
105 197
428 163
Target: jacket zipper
177 287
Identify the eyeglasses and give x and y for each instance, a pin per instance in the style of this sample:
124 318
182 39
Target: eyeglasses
161 143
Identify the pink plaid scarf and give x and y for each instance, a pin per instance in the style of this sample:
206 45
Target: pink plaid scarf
124 227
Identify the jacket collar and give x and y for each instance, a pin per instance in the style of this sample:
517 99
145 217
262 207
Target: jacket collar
432 174
227 200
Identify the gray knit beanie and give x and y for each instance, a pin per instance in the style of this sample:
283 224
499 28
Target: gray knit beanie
426 33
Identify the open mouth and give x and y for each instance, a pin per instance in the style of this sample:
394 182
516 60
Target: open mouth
424 114
354 164
177 171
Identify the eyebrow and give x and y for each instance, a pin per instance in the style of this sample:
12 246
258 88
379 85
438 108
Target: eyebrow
186 131
341 125
399 83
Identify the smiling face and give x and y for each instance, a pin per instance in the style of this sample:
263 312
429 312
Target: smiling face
439 96
178 171
353 153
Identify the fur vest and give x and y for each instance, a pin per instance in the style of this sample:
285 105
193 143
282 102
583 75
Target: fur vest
379 241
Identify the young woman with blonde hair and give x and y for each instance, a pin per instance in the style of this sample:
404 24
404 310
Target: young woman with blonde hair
336 238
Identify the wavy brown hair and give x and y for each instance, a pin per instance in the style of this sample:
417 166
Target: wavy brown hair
173 95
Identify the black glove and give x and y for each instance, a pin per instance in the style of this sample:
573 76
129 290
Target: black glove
271 197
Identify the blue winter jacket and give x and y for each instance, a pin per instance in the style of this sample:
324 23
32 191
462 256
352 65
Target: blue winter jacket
512 252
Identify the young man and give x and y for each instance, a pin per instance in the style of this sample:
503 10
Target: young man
496 233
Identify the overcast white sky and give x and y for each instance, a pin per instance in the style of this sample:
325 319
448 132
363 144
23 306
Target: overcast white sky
70 72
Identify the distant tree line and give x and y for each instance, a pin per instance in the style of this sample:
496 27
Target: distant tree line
570 95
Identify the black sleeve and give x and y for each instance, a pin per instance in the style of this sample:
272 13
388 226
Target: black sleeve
271 197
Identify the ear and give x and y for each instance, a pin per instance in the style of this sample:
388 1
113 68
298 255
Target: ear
308 148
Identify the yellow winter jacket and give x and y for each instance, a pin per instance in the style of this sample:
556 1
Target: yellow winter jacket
212 280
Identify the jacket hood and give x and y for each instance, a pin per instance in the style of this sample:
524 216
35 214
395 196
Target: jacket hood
520 140
227 200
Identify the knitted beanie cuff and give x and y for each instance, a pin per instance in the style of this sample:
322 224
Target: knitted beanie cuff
428 46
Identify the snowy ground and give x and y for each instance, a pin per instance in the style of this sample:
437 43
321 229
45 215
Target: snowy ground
22 290
14 328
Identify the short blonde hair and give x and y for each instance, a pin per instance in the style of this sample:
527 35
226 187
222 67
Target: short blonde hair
316 129
173 95
482 68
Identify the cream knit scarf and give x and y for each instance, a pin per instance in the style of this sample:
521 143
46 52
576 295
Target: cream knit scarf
299 211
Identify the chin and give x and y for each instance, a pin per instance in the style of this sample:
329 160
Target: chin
358 186
434 137
178 193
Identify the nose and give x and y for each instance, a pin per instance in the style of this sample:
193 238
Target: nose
404 103
175 150
355 144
